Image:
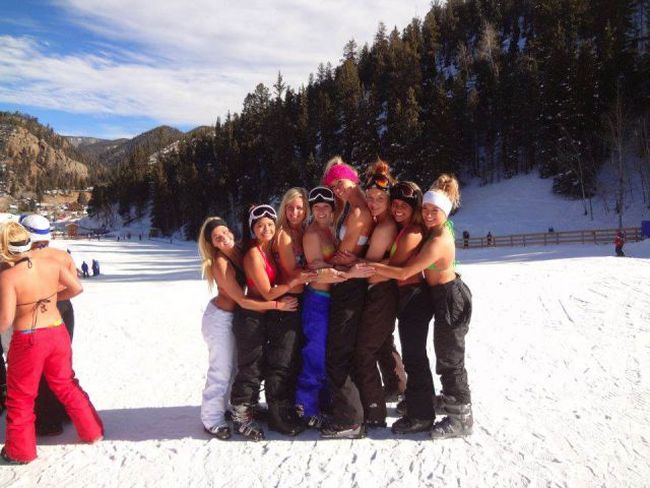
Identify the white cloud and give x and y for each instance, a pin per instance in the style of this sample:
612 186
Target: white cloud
188 62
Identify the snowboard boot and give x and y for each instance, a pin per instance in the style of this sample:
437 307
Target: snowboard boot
313 421
457 423
244 424
221 432
336 431
282 419
408 425
442 401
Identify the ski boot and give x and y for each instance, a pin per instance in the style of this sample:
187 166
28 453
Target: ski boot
336 431
244 424
457 423
408 425
220 431
282 420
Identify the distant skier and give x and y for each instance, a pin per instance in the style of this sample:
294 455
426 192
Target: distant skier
619 242
84 269
95 267
489 239
465 239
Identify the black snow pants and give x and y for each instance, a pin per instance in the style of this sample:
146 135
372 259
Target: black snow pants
414 316
452 305
268 347
374 338
346 306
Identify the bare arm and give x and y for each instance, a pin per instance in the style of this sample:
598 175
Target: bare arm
227 282
406 246
7 303
430 252
287 256
356 222
71 285
254 268
311 246
381 241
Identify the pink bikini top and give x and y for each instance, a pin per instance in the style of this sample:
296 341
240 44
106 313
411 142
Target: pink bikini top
269 268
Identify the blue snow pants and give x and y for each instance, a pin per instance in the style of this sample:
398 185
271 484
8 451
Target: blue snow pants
312 381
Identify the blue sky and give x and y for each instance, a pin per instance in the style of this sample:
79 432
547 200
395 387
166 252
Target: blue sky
116 68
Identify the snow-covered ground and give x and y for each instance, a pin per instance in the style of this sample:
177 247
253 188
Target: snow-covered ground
526 203
556 355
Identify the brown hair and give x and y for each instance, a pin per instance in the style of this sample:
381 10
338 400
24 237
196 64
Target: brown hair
207 251
448 184
380 167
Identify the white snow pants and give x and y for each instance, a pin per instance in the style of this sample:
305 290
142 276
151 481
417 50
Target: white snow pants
217 332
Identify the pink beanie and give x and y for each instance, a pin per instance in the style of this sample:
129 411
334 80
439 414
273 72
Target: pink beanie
340 172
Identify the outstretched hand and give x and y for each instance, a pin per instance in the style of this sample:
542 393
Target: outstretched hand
288 304
302 278
361 270
344 257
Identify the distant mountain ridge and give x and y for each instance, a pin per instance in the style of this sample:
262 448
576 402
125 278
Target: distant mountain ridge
110 153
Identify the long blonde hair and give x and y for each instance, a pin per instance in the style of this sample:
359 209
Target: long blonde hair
11 232
296 192
207 251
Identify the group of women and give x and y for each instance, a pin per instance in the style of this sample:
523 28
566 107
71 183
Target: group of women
307 304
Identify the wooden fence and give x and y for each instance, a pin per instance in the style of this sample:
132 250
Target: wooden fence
596 236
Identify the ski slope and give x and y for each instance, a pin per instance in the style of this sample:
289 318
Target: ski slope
556 355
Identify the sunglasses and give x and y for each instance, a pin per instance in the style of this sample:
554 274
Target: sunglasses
379 181
321 194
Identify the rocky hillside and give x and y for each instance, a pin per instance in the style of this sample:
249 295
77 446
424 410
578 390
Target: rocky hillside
34 158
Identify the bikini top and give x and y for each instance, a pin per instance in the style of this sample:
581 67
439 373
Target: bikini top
340 228
393 248
327 248
37 304
269 268
450 226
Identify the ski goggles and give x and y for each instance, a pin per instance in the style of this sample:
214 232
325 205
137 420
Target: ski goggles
321 194
379 181
408 192
260 211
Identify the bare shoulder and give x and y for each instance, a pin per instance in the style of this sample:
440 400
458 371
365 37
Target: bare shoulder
57 254
387 226
284 238
361 213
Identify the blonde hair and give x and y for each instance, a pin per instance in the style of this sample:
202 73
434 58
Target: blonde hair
448 184
335 160
11 232
208 252
292 193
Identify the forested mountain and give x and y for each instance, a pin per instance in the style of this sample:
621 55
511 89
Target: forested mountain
482 88
110 153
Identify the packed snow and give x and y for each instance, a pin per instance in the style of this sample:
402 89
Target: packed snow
556 354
